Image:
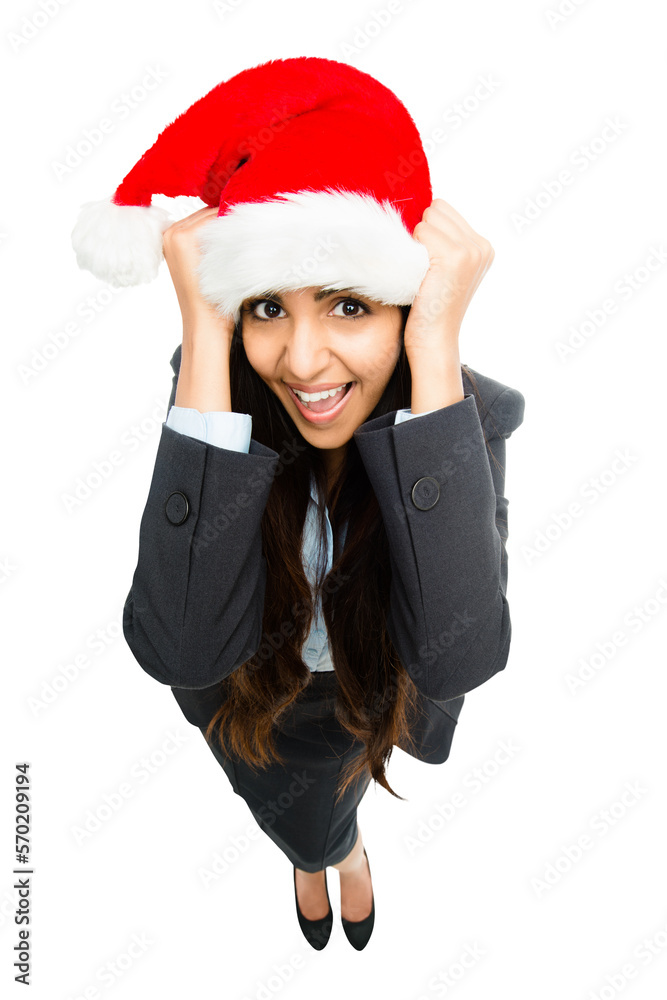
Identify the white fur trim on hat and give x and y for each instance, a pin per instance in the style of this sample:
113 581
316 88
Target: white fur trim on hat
333 239
121 244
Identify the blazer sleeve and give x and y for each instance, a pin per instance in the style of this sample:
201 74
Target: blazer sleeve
441 492
195 607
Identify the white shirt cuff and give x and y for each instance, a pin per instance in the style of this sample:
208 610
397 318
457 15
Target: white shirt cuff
223 428
407 414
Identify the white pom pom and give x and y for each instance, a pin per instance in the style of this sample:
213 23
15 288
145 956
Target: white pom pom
121 244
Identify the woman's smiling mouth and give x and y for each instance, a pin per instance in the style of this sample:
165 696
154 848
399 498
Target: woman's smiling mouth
325 409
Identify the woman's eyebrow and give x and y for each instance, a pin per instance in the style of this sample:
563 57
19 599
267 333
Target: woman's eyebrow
322 294
318 296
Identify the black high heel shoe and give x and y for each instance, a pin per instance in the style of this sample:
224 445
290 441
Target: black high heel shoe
316 932
358 932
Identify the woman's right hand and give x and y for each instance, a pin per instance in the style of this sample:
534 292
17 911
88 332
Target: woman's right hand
203 379
180 243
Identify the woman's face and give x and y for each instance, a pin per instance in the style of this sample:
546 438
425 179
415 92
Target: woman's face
316 338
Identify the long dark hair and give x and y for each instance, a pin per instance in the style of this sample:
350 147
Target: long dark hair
376 701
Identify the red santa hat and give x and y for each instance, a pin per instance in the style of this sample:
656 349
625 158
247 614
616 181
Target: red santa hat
319 176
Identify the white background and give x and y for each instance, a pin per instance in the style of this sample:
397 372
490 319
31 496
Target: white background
478 882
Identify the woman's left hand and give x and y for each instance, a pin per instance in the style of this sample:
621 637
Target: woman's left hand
459 259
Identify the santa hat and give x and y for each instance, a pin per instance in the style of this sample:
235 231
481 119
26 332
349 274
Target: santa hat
319 176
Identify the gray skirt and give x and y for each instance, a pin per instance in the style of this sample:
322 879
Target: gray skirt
295 803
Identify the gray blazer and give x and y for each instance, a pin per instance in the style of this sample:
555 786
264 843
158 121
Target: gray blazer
194 610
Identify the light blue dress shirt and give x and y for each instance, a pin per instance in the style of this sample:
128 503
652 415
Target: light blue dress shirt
233 431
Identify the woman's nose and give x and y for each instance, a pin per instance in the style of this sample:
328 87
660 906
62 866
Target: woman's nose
307 348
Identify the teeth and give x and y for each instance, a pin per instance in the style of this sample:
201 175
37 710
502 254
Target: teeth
308 397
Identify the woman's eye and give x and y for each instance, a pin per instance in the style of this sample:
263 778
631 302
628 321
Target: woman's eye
351 308
265 309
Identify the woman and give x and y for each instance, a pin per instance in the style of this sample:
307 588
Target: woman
300 339
320 579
